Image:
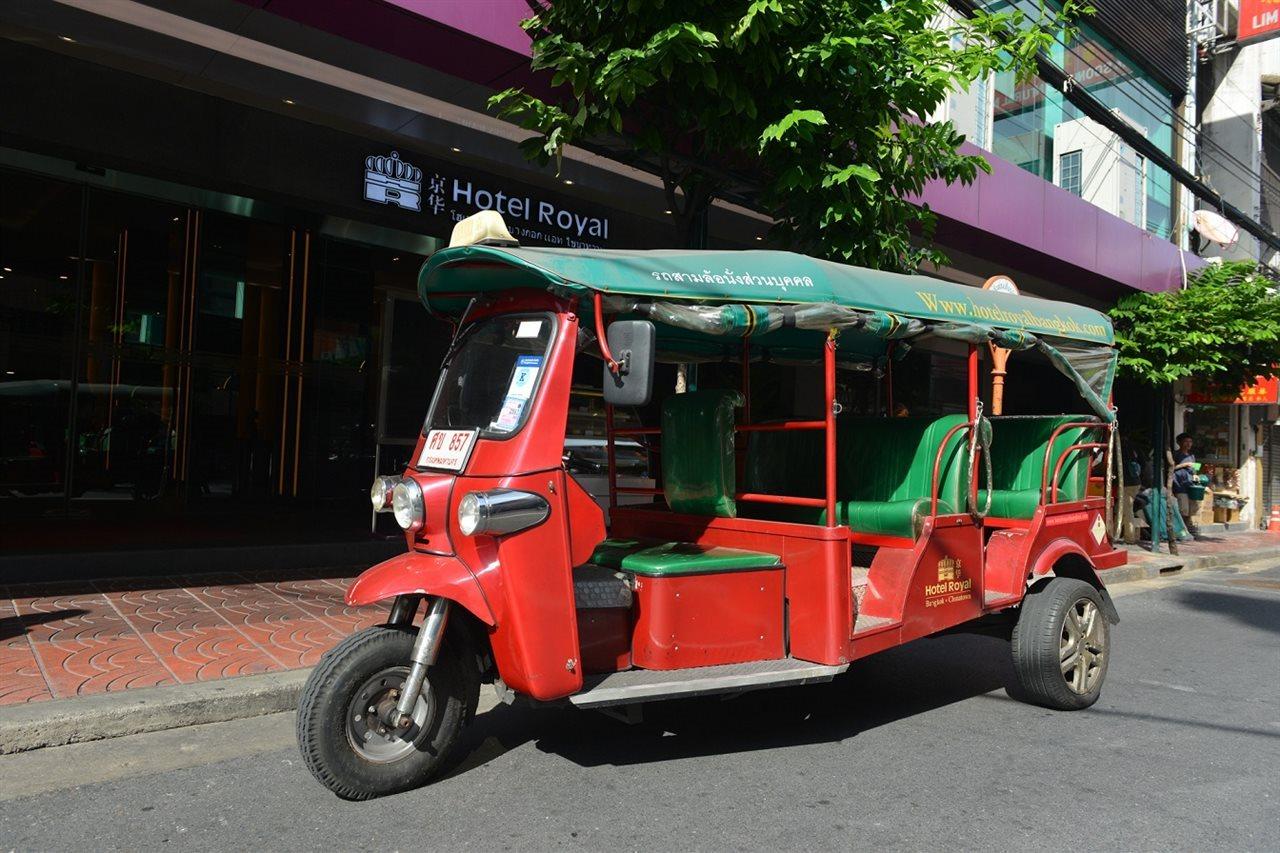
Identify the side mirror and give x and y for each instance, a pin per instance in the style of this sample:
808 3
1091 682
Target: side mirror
632 345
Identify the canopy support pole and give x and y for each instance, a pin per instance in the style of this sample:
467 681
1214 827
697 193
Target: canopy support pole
829 371
973 419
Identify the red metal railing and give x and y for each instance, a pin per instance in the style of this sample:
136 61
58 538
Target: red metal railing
1049 488
937 465
827 424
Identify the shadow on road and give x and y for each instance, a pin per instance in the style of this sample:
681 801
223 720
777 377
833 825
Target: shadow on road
883 689
1252 611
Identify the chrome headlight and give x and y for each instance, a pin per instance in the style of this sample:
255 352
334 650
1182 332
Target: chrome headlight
380 493
500 511
406 503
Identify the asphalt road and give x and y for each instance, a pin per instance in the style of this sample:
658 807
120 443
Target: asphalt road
916 748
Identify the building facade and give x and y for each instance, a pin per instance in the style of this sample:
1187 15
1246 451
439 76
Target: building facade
212 213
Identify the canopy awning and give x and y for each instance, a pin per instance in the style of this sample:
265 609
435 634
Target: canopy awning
749 277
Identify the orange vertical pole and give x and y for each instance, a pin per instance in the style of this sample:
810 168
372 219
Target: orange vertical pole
829 369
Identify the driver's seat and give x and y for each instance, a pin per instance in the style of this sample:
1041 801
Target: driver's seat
698 463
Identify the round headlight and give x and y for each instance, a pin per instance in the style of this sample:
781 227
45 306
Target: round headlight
469 513
406 503
380 493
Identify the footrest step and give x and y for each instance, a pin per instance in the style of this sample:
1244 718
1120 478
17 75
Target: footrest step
647 685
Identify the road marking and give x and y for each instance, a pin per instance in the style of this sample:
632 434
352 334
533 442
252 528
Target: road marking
1181 687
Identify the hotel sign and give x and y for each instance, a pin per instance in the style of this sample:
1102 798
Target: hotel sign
532 217
1258 19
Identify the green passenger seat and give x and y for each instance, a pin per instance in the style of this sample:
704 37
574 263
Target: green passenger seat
884 472
1017 463
654 559
698 464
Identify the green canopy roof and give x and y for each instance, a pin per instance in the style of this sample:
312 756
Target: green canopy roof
761 277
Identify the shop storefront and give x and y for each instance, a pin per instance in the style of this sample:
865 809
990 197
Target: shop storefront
203 331
1231 441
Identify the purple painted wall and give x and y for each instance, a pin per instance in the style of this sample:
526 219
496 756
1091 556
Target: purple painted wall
494 21
1021 208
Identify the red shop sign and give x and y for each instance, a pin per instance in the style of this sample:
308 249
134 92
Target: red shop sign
1258 19
1262 391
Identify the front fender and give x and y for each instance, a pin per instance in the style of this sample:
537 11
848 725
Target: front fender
422 574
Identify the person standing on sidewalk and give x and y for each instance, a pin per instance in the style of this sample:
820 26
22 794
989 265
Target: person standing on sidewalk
1183 475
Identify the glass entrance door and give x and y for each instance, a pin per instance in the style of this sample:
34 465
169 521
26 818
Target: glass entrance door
413 345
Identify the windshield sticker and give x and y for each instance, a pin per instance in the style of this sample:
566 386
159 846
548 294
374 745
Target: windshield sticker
509 418
525 377
529 329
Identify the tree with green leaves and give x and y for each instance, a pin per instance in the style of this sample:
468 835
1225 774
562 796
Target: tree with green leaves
1223 329
815 111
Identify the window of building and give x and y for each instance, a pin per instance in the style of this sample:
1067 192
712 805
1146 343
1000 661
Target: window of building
1069 171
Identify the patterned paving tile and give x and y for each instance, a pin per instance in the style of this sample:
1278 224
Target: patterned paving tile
76 638
207 654
20 676
326 602
294 641
102 666
82 643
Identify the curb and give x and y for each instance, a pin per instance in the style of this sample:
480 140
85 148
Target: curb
153 709
1158 566
148 709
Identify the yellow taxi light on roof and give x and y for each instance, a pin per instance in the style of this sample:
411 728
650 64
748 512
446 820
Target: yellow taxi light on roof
485 228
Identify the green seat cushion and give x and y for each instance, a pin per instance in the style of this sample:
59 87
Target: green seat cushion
1017 463
667 559
1011 503
884 472
698 463
889 518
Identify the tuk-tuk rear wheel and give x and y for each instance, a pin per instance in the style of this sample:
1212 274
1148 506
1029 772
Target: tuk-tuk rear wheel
1062 645
358 754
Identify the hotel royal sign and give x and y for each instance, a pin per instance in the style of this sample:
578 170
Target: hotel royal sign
393 181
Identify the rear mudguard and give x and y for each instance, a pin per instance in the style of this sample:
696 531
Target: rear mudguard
422 574
1064 558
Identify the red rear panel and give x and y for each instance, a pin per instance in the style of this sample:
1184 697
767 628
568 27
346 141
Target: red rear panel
707 620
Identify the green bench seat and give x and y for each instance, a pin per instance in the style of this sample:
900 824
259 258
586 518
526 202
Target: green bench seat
653 559
1017 463
884 472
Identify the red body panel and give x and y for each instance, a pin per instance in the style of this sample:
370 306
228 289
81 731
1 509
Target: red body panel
817 584
421 574
604 634
706 620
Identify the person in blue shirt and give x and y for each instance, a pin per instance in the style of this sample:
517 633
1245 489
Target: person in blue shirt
1183 475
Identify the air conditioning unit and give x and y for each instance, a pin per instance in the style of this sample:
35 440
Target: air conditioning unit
1100 167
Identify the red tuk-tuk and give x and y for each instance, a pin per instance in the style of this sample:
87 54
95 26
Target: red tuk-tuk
772 550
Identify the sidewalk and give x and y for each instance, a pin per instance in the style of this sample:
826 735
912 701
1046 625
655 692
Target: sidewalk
80 638
91 659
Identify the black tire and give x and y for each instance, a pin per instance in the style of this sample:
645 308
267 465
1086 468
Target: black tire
451 694
1043 645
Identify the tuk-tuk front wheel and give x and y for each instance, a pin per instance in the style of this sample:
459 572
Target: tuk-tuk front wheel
346 716
1062 645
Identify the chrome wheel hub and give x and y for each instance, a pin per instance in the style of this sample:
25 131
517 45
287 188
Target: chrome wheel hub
370 724
1083 646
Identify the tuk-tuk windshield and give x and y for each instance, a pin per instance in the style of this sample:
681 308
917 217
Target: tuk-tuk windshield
490 381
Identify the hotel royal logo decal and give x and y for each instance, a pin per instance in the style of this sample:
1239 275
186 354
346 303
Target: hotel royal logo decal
952 585
390 180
